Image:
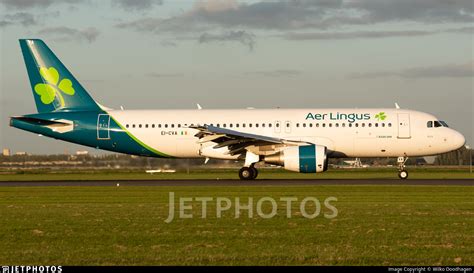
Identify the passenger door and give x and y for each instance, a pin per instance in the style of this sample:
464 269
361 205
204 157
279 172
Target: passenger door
404 126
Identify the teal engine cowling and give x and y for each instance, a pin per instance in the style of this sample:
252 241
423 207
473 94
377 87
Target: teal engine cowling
304 159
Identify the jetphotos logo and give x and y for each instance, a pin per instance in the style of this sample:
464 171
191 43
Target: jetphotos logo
52 87
350 117
265 207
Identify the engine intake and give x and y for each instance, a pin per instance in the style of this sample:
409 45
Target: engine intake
303 159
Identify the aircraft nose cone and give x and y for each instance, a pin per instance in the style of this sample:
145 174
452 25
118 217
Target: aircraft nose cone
458 140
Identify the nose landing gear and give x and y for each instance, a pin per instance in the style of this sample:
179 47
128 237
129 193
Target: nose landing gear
402 173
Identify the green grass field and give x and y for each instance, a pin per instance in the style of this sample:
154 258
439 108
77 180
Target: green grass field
376 225
370 173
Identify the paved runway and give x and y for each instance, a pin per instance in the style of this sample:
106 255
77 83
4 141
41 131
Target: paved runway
263 182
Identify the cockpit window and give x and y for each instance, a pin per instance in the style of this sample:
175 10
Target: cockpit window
444 123
436 123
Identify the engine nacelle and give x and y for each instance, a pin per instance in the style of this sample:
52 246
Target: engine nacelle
303 159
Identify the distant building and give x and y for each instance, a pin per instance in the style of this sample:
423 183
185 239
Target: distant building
21 153
82 152
6 152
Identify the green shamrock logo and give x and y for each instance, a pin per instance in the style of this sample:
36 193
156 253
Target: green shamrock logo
48 91
381 116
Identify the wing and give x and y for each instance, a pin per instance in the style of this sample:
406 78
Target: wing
238 142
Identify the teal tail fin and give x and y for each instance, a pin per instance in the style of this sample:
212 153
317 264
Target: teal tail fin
54 87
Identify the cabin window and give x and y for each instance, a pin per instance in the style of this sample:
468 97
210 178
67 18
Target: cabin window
350 124
270 125
337 124
250 125
256 125
243 125
343 125
224 125
310 125
356 125
263 125
139 126
324 124
153 126
304 125
297 125
146 125
376 124
237 125
126 125
389 125
317 124
370 124
179 125
230 125
277 125
363 124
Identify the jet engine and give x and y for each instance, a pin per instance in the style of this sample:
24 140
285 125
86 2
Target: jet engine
303 159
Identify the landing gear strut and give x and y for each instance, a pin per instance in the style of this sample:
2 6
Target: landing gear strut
248 173
402 173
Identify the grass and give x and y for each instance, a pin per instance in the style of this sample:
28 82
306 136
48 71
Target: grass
376 225
370 173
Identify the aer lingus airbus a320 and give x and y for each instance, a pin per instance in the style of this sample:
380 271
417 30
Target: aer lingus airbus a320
300 140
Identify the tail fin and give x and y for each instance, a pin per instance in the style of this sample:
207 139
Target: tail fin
54 87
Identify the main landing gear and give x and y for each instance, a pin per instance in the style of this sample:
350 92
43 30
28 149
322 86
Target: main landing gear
402 173
248 173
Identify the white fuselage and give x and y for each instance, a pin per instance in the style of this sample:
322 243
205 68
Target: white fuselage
345 132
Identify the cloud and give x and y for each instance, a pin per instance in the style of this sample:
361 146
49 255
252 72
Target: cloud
164 75
370 34
168 43
66 33
241 36
305 14
275 73
354 35
19 18
25 4
136 5
441 71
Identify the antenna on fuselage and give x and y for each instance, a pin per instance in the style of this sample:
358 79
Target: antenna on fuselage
397 106
199 106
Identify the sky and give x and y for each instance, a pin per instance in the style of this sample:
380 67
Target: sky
160 54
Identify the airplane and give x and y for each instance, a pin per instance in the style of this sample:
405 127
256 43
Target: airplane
299 140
